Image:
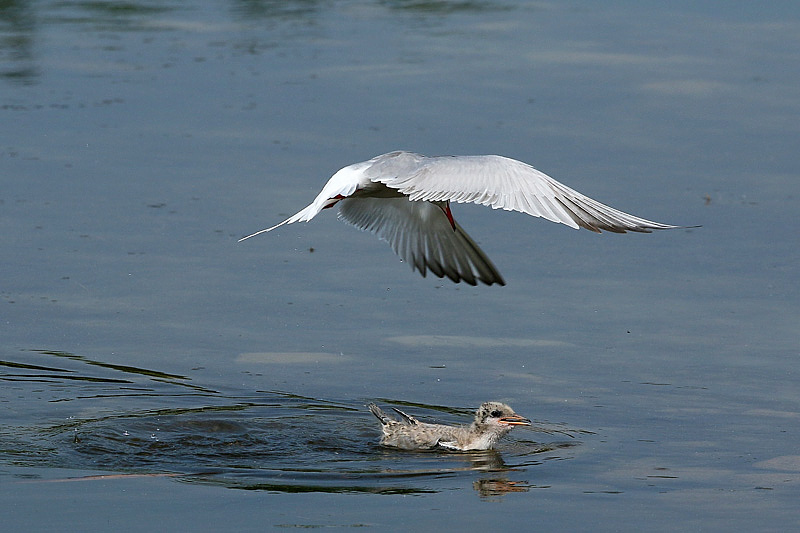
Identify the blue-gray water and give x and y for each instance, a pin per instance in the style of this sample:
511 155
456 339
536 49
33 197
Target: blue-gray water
155 373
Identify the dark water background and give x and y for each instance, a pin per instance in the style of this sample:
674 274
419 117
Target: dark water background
149 364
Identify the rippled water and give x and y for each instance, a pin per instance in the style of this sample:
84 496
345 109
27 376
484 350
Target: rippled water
267 440
155 374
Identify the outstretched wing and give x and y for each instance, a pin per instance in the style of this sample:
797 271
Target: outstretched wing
500 183
421 234
379 414
408 419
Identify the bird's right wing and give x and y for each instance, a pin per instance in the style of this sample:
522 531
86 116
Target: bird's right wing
421 234
408 419
501 183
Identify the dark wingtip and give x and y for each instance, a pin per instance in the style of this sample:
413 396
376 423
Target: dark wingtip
498 280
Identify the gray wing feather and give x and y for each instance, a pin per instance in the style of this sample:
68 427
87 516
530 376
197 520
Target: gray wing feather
410 420
421 235
379 414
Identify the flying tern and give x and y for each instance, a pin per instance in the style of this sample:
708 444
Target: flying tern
405 197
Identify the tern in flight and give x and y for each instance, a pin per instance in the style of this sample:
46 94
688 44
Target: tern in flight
405 198
492 421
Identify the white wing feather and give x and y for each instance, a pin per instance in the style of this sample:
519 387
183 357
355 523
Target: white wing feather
500 183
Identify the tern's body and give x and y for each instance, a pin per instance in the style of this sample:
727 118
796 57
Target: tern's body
405 198
492 421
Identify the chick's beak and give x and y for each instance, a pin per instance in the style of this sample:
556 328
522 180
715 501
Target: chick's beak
515 420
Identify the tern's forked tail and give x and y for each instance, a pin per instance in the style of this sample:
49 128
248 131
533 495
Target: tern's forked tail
302 216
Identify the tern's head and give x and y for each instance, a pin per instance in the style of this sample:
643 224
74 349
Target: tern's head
499 415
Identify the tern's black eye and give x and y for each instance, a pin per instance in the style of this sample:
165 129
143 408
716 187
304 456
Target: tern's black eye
496 414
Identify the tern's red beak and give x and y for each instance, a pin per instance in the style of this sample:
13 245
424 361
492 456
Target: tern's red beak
515 420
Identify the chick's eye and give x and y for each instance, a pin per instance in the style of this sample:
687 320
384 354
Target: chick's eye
496 414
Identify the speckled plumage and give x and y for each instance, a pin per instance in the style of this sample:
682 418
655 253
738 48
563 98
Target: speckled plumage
492 421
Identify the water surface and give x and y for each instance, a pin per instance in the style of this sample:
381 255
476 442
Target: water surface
153 367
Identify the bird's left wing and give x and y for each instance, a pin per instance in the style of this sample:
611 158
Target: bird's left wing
421 234
379 414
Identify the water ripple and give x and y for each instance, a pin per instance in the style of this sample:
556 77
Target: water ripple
263 440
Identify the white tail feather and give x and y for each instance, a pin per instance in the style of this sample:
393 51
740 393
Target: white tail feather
302 216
